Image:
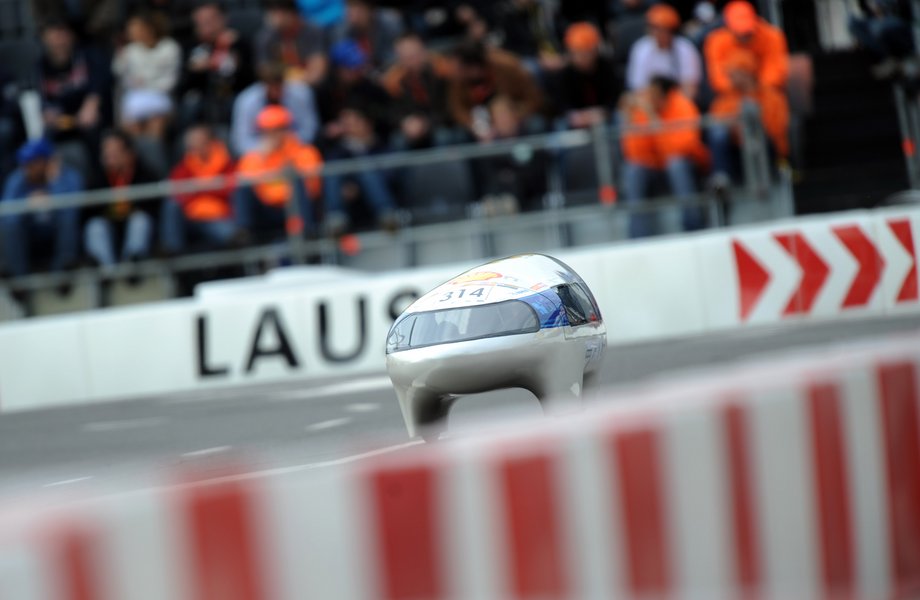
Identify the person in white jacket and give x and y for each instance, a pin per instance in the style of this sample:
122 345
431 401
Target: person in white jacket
148 70
664 53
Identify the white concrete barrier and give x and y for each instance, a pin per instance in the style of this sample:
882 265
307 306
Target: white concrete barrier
327 323
792 479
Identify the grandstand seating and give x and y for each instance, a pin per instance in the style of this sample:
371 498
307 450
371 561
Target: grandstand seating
435 192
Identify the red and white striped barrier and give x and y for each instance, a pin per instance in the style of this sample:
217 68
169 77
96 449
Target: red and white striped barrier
846 265
793 479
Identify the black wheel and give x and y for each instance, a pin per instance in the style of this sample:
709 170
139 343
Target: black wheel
432 419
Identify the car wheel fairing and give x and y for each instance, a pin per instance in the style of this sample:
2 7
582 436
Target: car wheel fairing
432 418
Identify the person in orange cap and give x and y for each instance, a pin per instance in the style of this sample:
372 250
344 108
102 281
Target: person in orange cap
588 84
662 52
582 36
260 205
741 69
675 152
744 30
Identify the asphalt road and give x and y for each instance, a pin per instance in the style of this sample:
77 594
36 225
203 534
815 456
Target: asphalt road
296 425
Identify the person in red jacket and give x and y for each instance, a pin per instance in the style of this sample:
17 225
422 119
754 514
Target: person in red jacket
675 151
203 216
745 31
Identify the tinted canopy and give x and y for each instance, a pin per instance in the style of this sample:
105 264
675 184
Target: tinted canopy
417 330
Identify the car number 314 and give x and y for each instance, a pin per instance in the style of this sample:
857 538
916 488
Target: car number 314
480 293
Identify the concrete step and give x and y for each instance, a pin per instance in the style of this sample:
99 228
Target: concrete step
149 289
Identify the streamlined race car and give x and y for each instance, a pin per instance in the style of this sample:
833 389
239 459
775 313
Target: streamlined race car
526 321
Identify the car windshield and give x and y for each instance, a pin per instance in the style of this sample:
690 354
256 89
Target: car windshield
462 324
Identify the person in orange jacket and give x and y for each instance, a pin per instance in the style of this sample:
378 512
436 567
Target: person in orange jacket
774 113
745 31
204 215
260 205
676 152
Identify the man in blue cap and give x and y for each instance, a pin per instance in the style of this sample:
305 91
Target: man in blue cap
48 232
349 83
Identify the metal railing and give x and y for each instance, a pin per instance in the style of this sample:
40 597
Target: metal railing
755 162
907 103
479 231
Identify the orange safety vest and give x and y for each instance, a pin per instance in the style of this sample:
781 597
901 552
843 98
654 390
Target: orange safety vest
210 205
767 44
304 158
653 150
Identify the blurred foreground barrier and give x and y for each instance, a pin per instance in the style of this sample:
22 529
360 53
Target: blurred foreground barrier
793 479
306 323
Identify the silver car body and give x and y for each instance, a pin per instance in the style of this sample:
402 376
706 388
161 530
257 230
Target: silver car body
526 321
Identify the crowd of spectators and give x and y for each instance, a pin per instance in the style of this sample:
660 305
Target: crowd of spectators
136 98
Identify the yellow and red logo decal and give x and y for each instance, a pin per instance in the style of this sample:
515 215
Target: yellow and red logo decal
475 277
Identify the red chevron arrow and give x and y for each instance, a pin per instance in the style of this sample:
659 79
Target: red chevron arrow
870 264
814 272
752 279
901 230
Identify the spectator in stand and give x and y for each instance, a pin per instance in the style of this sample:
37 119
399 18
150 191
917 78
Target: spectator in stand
51 234
203 216
705 20
362 199
418 85
260 207
515 181
433 19
676 152
173 16
97 20
885 34
74 85
528 31
217 67
147 69
484 74
742 69
123 228
348 84
663 52
290 40
374 29
745 31
474 21
272 89
588 85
